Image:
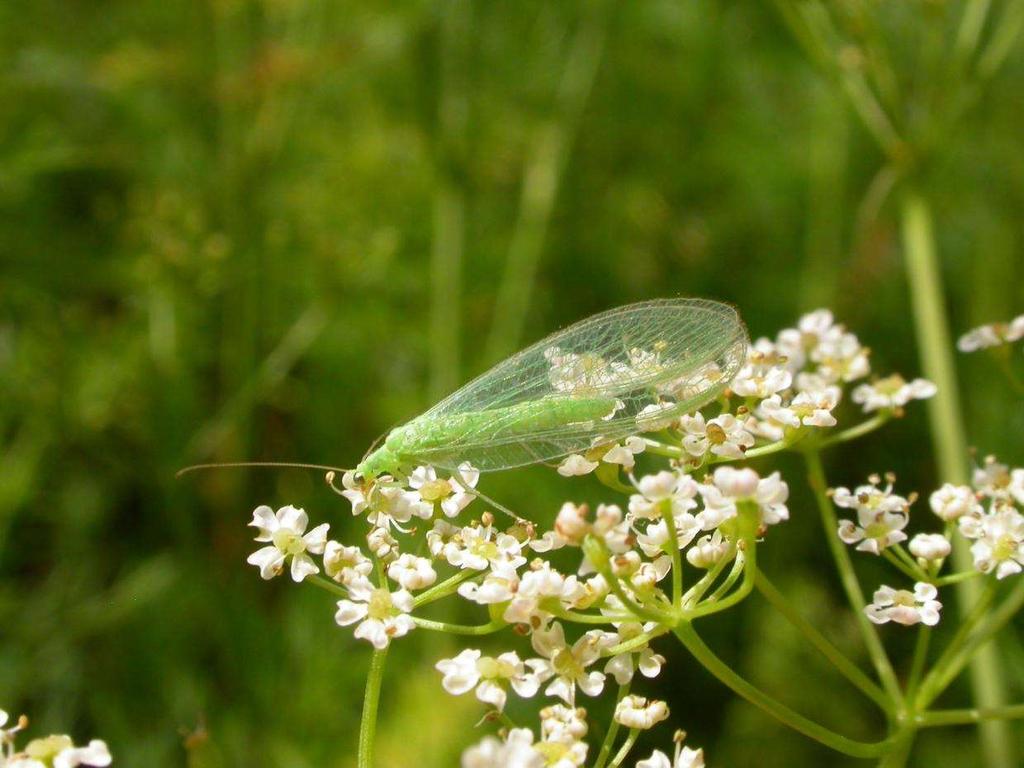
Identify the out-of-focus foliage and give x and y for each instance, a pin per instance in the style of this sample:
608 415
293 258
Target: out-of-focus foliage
271 230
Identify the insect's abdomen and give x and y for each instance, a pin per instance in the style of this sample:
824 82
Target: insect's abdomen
497 423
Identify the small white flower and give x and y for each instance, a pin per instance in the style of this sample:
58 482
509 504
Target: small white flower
708 550
679 490
286 532
491 677
95 755
439 536
575 464
655 538
685 758
500 585
794 344
999 547
532 593
478 547
383 615
579 374
730 486
892 393
566 666
929 546
998 481
451 495
624 454
724 436
609 526
384 501
344 564
412 572
881 514
761 377
814 408
954 501
571 523
638 712
992 335
516 751
58 751
904 607
622 666
656 416
559 723
840 356
382 544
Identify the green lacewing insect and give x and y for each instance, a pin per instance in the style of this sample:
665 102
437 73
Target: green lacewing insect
622 372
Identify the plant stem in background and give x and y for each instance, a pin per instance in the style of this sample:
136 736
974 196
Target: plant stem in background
449 218
936 350
843 665
613 730
739 685
371 702
883 667
541 179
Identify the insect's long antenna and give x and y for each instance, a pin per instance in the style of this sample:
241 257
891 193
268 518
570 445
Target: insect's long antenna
237 464
374 444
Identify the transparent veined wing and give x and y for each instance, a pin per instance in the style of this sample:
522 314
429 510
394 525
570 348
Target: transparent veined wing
646 362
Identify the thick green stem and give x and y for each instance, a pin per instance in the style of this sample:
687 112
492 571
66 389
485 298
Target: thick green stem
924 636
963 648
843 665
674 552
443 589
883 667
696 592
945 409
725 674
748 558
613 730
858 430
945 717
627 747
460 629
371 701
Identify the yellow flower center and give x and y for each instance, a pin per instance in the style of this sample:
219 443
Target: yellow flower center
380 605
435 490
289 542
48 748
494 668
1004 548
566 665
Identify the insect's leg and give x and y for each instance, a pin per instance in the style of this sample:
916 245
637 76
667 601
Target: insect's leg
500 507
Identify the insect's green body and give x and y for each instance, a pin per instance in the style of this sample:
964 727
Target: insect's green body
598 381
405 443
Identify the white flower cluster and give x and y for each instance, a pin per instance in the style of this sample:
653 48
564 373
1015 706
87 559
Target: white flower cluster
988 514
992 335
561 743
994 523
785 386
48 752
593 616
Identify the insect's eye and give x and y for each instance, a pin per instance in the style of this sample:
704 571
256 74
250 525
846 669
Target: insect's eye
359 477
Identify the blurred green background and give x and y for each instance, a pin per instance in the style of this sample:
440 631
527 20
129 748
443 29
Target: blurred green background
272 230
